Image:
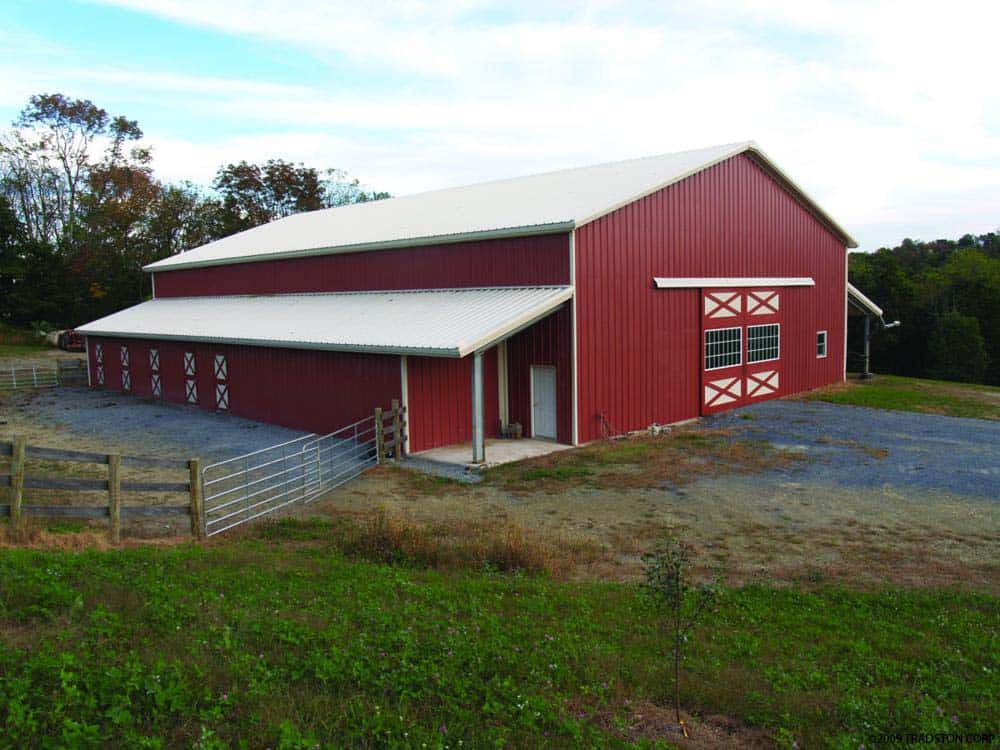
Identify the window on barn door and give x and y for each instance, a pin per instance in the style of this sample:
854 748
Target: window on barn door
154 373
190 379
99 359
126 374
221 382
820 344
763 342
723 348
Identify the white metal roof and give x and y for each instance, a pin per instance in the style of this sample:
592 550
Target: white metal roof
439 322
536 204
861 301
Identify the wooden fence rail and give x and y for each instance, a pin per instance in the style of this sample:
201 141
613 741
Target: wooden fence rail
21 454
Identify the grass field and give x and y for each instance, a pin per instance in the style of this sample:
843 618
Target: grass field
24 351
915 394
280 640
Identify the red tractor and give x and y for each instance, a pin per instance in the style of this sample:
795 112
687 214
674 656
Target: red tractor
71 341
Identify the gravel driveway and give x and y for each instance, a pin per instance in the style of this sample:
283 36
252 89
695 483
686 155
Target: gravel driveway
101 421
855 447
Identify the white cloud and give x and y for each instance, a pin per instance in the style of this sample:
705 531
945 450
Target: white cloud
886 112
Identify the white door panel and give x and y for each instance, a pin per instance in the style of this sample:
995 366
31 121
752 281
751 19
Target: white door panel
543 402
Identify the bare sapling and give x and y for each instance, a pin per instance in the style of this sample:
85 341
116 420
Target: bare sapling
679 601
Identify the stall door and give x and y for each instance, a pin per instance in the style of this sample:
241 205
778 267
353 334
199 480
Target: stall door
543 402
741 346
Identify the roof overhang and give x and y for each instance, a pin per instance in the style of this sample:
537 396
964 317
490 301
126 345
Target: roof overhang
730 281
434 322
861 302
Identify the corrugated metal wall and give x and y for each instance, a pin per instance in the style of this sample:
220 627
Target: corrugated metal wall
303 389
639 347
503 262
548 342
439 400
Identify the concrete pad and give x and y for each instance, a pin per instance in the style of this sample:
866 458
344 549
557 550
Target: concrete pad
497 452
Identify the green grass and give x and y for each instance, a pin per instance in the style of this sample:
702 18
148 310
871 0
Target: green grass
284 642
13 351
19 342
914 394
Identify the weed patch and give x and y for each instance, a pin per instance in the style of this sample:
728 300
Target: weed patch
381 537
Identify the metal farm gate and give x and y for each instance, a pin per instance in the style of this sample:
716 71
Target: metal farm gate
46 375
255 484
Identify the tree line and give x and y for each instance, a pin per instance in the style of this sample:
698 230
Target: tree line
82 210
946 294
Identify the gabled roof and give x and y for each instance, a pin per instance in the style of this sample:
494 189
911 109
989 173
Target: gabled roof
537 204
438 322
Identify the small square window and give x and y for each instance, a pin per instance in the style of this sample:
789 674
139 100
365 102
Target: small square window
820 344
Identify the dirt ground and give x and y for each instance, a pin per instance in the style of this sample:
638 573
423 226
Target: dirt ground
875 496
752 527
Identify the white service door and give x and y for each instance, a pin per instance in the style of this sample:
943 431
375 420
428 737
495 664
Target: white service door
543 402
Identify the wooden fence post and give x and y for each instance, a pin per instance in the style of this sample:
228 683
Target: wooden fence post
379 436
197 509
397 434
17 482
115 496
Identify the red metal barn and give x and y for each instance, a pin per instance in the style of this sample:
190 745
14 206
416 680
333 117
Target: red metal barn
575 303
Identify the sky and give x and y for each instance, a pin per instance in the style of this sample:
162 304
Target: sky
886 113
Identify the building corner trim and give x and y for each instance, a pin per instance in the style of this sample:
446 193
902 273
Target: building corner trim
575 370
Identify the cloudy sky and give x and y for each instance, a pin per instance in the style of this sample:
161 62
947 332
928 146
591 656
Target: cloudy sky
887 113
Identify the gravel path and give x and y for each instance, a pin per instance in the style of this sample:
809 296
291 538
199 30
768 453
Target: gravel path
140 427
918 451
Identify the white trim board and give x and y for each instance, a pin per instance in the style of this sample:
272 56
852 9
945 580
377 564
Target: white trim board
574 354
708 282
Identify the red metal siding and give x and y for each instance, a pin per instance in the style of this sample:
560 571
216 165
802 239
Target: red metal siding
548 342
439 400
504 262
302 389
639 348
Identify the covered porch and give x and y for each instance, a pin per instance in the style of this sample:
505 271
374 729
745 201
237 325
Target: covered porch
506 396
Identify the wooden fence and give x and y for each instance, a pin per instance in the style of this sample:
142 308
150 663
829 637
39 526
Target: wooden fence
21 455
16 377
390 431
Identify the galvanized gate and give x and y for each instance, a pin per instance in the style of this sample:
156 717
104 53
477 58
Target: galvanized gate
46 375
241 489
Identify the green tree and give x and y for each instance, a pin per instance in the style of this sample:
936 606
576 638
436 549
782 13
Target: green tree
49 155
254 194
11 263
957 350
